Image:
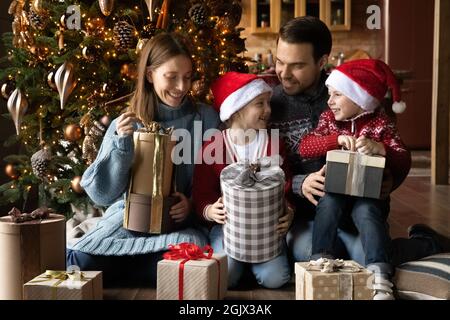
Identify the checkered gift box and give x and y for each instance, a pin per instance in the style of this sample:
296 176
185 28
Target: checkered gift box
253 196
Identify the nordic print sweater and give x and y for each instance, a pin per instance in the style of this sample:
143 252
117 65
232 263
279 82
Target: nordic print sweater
376 126
106 182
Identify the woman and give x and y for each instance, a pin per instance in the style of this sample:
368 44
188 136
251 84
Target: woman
164 79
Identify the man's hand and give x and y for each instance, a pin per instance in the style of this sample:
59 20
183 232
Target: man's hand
313 185
181 210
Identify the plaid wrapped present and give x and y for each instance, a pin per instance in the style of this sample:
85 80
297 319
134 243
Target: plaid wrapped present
253 196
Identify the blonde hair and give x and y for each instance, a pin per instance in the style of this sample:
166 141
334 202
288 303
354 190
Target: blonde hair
156 51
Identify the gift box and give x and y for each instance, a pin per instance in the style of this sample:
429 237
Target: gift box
27 249
193 277
148 201
65 285
349 281
253 196
354 174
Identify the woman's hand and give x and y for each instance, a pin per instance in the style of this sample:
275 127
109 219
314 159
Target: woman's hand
370 147
216 212
181 210
348 142
124 125
285 221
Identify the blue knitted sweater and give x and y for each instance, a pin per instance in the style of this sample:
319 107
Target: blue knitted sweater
106 182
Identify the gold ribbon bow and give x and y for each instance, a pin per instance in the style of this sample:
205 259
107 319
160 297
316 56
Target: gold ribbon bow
61 276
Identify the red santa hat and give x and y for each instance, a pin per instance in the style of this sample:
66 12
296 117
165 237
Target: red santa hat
233 91
366 83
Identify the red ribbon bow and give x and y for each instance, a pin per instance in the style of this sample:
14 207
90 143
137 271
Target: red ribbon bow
189 251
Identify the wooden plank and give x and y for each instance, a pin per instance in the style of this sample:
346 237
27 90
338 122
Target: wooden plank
441 95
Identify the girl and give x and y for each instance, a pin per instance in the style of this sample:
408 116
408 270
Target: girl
243 101
355 122
164 79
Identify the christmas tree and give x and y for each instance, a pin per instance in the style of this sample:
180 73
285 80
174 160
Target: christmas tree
71 67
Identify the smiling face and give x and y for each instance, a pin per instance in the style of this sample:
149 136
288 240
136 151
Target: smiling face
255 115
171 80
343 108
296 67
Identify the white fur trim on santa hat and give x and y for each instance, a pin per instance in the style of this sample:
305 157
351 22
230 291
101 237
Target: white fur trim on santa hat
399 107
342 83
239 98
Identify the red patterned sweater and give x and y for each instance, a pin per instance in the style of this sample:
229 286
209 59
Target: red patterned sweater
206 182
376 126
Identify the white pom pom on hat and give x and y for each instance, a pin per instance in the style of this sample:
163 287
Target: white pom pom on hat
366 83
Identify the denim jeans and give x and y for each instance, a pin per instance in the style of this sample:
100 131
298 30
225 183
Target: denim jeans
369 217
137 270
271 274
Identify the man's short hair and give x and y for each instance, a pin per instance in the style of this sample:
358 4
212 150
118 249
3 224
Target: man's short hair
308 29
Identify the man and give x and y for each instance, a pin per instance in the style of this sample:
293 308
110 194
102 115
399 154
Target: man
304 45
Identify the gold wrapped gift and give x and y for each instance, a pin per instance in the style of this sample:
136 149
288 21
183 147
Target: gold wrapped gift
332 280
148 200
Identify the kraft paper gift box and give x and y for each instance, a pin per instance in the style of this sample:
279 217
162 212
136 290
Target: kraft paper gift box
27 249
61 285
204 279
149 201
253 196
354 174
343 284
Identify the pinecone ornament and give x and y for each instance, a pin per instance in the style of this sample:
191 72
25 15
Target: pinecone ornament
37 20
40 162
124 36
92 141
199 14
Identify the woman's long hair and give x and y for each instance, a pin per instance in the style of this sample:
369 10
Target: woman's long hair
156 51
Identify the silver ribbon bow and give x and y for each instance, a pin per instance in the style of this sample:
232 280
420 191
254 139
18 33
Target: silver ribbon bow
332 265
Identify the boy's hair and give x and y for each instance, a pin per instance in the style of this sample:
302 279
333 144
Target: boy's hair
308 29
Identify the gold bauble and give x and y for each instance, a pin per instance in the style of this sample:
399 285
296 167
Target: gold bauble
72 132
106 6
88 54
51 80
75 184
7 88
11 171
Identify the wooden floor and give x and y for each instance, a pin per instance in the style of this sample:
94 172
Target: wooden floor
416 201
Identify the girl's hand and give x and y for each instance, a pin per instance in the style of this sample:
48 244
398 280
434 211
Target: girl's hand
181 210
348 142
285 221
370 147
124 125
216 212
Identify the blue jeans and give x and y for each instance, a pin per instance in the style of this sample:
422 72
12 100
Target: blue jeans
138 270
369 217
271 274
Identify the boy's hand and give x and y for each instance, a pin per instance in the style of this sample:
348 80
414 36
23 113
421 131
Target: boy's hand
285 221
348 142
217 212
181 210
370 147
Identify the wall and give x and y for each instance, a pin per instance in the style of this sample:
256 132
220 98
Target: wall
359 37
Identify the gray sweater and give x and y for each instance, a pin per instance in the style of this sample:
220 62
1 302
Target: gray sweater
296 116
106 182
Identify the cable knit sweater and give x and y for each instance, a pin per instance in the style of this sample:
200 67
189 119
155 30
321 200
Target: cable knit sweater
106 182
376 126
206 188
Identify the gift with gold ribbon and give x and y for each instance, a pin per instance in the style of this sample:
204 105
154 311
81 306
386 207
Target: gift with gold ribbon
148 200
65 285
330 279
200 274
